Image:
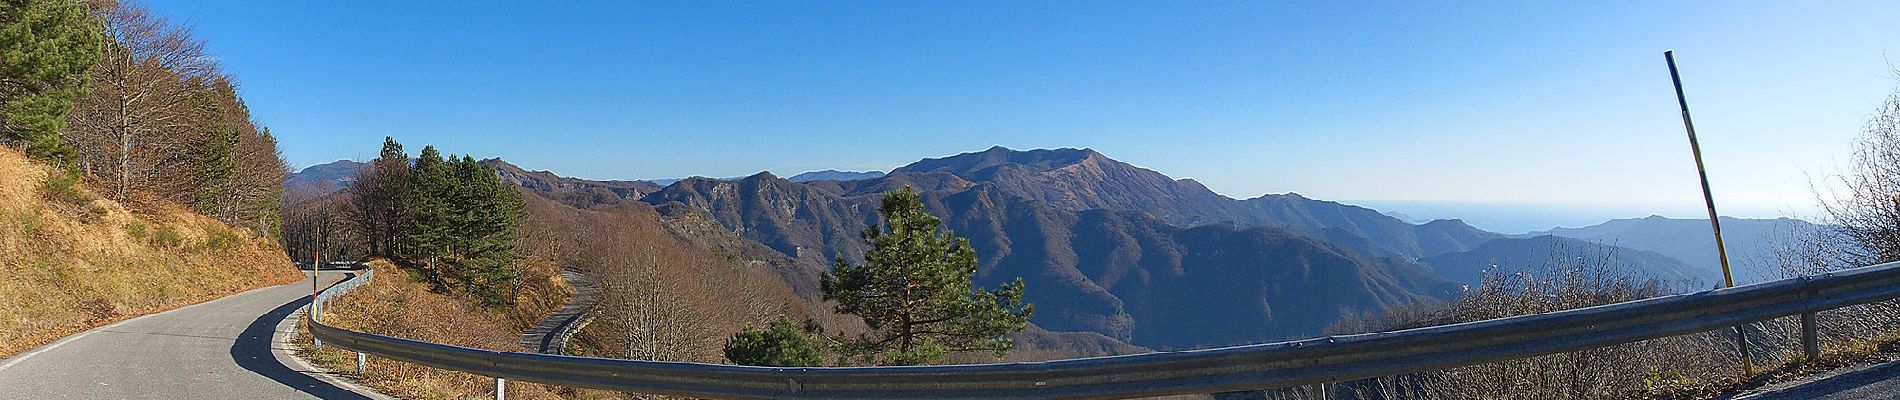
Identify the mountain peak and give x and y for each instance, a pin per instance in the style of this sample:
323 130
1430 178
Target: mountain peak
968 165
834 175
762 175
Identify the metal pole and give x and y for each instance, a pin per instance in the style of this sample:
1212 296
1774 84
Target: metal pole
1810 337
1715 223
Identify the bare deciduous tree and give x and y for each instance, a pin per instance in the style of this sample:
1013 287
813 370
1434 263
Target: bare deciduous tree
139 125
1865 206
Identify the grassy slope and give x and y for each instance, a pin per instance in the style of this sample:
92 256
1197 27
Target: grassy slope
400 305
70 261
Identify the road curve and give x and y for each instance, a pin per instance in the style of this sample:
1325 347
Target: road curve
229 348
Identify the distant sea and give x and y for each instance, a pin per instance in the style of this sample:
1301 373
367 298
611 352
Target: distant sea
1515 218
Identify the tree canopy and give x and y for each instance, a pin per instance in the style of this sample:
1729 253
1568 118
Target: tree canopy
915 293
779 345
46 48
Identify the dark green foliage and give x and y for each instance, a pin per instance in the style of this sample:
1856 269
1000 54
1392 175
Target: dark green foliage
215 168
459 221
779 345
46 47
914 291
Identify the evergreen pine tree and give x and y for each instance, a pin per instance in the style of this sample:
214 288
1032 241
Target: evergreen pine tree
216 165
427 213
915 293
46 47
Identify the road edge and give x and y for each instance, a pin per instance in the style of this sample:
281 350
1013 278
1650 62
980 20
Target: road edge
283 340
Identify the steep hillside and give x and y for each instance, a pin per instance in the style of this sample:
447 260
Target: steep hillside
73 260
1117 273
800 221
662 298
1751 242
1082 179
397 304
1528 253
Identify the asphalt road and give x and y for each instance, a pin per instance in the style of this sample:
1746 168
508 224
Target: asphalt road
229 348
1877 381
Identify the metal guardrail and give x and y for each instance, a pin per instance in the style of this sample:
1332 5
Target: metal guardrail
348 284
550 336
1263 366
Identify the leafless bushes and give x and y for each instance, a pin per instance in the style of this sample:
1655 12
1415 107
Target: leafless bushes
661 298
1565 280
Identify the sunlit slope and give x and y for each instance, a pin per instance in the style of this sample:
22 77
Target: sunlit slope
70 260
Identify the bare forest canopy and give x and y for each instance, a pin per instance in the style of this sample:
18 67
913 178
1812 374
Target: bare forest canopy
135 104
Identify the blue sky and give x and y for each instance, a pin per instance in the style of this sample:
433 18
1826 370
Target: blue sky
1566 105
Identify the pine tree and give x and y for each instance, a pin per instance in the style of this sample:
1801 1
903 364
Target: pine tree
216 166
46 47
487 215
779 345
427 210
915 293
460 222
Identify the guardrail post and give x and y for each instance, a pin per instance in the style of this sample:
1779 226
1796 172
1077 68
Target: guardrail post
1810 336
501 389
360 360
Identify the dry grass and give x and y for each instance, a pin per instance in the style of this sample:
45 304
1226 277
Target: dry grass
397 305
70 261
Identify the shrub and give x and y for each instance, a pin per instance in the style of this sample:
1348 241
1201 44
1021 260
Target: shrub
137 229
219 238
64 187
781 345
167 237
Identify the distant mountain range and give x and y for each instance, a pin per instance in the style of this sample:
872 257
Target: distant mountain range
1108 247
579 193
834 175
1751 242
1518 253
320 179
1125 252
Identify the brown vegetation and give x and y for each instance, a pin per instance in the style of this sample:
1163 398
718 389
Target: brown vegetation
161 120
662 298
74 260
397 304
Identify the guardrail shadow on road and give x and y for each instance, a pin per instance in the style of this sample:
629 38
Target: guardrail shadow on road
252 350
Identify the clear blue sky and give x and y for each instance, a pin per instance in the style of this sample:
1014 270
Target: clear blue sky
1521 102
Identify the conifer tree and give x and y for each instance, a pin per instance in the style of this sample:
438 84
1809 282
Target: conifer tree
426 211
915 293
486 215
46 47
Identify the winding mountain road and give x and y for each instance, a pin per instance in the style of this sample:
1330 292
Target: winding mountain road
230 348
